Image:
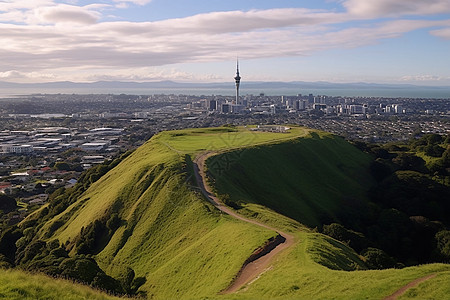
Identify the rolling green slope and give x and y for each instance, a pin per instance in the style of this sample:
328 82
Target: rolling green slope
168 232
20 285
187 249
314 180
296 275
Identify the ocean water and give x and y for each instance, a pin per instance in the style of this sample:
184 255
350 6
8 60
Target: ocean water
441 93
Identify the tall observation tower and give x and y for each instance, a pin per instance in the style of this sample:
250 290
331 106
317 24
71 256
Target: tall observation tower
237 80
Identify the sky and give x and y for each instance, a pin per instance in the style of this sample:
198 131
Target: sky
382 41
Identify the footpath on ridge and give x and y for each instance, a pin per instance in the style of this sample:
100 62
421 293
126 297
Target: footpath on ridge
412 284
251 268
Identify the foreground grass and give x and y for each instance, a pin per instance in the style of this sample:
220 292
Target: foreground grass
20 285
296 275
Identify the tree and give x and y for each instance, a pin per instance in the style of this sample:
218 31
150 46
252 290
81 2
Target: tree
355 240
434 150
433 138
7 203
378 259
447 139
8 241
446 157
113 222
380 169
409 161
443 244
381 152
437 167
62 166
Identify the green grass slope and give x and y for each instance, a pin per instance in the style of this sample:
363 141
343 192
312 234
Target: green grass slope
187 249
20 285
297 275
168 233
314 180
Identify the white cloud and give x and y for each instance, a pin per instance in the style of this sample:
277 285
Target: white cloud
46 40
48 12
442 33
10 5
137 2
238 21
67 14
151 74
423 78
14 74
389 8
11 74
123 44
122 5
21 10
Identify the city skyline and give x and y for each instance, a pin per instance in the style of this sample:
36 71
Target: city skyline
405 41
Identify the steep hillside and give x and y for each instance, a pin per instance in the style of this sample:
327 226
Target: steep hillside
148 214
167 232
318 179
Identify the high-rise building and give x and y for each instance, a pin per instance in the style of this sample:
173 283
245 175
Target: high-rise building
398 109
237 80
212 104
300 104
226 108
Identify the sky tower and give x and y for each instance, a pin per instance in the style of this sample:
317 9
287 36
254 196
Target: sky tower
237 80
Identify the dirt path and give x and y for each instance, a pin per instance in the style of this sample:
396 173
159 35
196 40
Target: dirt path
412 284
252 270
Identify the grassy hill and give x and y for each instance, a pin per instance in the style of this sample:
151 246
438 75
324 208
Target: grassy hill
168 233
185 248
314 180
20 285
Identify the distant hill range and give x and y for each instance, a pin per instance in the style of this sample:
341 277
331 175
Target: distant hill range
221 85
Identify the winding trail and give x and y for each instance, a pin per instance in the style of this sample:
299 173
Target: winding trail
254 269
412 284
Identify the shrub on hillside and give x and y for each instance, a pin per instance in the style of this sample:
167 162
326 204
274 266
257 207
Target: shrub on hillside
415 194
8 241
443 245
226 199
89 240
380 169
113 222
62 166
4 262
409 161
31 250
353 239
378 259
7 203
130 284
434 150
